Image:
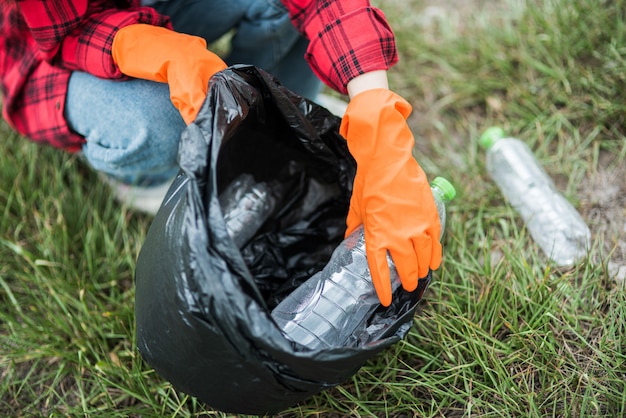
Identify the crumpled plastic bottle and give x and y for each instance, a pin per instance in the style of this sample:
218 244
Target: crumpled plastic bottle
246 205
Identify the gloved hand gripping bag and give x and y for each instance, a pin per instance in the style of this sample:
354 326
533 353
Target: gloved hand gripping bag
202 304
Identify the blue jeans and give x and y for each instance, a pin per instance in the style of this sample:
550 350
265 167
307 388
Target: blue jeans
131 127
263 36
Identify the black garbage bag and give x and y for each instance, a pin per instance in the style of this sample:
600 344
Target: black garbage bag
203 304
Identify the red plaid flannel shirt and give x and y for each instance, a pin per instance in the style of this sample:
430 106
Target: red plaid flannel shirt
42 41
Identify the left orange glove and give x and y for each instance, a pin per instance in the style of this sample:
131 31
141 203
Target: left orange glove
391 195
159 54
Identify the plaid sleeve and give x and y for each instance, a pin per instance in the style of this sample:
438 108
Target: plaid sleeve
90 48
49 22
78 34
347 38
41 41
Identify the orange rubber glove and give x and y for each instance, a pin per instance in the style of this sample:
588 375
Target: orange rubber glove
391 195
159 54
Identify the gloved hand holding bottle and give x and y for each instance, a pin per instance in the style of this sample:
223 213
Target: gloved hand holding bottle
159 54
391 196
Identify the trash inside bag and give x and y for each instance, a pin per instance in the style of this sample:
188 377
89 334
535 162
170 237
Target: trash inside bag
209 272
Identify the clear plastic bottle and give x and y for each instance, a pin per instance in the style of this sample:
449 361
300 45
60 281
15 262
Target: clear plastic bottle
552 221
326 310
246 205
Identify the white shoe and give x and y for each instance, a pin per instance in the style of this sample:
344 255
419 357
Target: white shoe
143 199
336 106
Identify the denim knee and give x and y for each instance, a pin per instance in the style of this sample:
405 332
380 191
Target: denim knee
131 128
145 155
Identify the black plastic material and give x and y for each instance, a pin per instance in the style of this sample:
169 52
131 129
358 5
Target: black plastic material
203 305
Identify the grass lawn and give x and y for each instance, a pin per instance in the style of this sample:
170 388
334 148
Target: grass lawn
501 331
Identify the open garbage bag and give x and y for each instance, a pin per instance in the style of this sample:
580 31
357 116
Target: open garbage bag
202 303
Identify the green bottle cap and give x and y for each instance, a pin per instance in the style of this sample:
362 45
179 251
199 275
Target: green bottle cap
490 136
448 190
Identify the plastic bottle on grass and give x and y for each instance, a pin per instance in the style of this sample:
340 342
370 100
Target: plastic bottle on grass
325 311
552 221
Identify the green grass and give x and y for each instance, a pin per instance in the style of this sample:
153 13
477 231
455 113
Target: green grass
500 332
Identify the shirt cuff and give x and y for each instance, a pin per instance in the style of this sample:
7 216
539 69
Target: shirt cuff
352 44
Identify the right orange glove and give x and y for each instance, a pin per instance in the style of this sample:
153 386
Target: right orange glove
391 195
159 54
